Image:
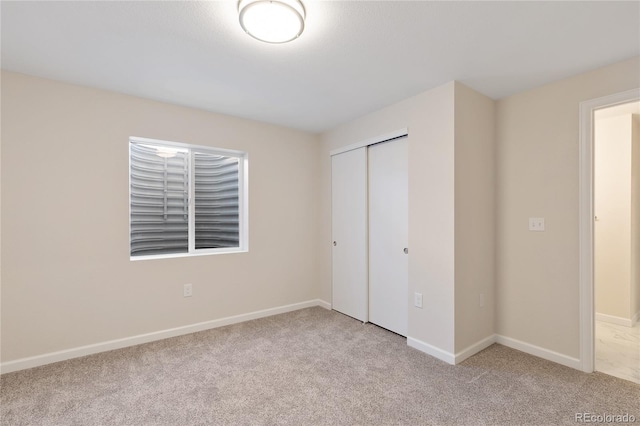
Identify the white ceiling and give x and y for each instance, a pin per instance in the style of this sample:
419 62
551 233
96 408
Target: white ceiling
353 58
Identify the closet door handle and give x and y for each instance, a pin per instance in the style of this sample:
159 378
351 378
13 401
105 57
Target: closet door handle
406 250
335 244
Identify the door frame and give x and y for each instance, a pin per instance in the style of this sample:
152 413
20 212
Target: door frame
399 133
371 141
586 213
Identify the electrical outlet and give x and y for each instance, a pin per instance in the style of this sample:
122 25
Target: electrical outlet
417 300
536 224
482 300
188 290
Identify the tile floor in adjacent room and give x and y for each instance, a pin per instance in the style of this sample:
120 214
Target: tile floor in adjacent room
618 350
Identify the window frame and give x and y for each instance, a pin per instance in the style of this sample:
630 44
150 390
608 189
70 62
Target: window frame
243 197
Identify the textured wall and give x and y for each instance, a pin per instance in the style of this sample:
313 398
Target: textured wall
475 216
537 176
67 280
429 118
635 219
612 206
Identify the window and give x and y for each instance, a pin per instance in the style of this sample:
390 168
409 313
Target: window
185 199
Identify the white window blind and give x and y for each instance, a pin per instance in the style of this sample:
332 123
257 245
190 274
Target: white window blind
184 200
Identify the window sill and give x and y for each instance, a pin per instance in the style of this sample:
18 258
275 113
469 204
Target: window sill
177 255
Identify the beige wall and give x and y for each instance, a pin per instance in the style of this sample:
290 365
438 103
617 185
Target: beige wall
0 214
635 219
474 216
612 207
537 176
451 209
429 118
67 279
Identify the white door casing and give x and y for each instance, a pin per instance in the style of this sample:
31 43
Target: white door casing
586 213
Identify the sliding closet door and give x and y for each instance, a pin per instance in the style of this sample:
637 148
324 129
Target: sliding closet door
349 227
388 235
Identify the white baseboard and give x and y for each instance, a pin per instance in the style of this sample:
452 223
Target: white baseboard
475 348
636 319
323 304
38 360
616 320
540 352
528 348
448 357
435 352
35 361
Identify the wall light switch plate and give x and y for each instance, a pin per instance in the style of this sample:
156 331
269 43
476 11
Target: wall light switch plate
536 224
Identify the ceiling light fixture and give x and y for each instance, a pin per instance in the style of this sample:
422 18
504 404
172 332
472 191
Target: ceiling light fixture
272 21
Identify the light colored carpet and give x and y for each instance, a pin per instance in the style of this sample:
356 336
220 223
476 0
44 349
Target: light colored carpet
305 368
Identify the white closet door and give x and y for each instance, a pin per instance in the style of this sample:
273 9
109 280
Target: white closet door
388 235
349 228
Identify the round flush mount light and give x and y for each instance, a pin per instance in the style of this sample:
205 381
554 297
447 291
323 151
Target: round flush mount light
272 21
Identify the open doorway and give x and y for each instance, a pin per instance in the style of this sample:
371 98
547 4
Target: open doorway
616 240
